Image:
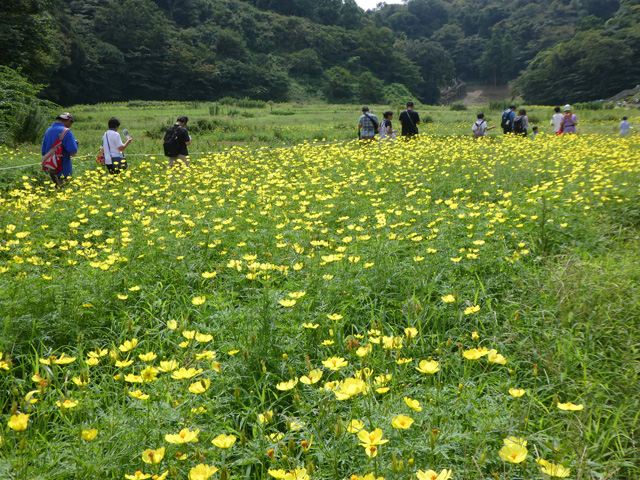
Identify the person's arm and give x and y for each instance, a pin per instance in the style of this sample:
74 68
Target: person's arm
418 119
574 119
491 128
389 131
125 144
69 144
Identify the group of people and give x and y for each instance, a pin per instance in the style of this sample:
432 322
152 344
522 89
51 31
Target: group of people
369 125
59 135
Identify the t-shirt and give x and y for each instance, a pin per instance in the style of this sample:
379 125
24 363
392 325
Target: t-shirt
556 121
624 127
480 128
569 123
69 146
383 130
366 121
409 120
183 138
110 143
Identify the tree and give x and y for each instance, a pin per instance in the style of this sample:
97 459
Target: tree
339 85
436 68
370 89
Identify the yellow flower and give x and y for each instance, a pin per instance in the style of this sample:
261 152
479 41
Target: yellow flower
224 441
185 436
189 334
79 381
354 426
209 274
203 337
517 392
276 473
494 357
122 297
335 363
413 404
513 453
448 299
334 316
371 438
570 406
89 435
149 374
147 357
364 351
168 366
474 336
430 367
134 289
183 373
198 300
402 422
287 303
92 362
515 441
470 310
349 387
172 324
284 386
123 363
200 387
128 345
18 422
98 353
61 360
313 377
431 475
411 332
297 294
297 474
370 450
202 472
137 476
552 469
66 404
132 378
475 353
311 326
153 457
139 395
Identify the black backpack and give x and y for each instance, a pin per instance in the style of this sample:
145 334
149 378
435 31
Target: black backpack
170 144
518 125
506 119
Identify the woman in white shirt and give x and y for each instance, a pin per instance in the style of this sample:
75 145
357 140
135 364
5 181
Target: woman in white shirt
114 148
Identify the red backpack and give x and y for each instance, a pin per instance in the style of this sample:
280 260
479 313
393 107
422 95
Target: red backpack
52 160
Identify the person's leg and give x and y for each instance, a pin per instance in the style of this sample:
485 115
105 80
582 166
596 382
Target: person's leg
57 181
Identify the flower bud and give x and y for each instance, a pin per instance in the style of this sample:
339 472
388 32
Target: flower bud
285 356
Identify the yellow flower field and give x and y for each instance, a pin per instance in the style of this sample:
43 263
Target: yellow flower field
322 312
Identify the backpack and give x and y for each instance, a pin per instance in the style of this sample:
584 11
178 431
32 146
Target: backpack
52 160
479 130
518 125
170 143
100 156
506 119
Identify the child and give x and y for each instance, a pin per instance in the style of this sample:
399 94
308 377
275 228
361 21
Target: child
625 126
480 127
535 132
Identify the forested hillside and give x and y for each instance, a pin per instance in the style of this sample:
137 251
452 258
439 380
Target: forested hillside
88 51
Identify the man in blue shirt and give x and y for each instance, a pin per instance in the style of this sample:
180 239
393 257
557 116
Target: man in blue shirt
507 119
69 146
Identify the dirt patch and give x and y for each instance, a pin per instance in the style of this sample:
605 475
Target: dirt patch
478 95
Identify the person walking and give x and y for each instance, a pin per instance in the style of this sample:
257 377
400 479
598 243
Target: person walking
61 129
386 128
625 127
569 121
114 148
480 127
368 125
556 121
409 120
506 121
521 123
176 141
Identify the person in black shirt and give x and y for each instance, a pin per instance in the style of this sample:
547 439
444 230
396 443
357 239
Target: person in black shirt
183 140
409 119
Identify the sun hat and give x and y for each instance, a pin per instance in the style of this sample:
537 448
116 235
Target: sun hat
65 116
567 108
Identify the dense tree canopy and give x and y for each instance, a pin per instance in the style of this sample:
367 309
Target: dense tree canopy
88 51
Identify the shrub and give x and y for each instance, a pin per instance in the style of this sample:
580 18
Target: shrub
244 102
597 105
458 107
499 104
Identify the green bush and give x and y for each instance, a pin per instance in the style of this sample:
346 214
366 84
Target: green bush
458 107
588 106
500 105
31 124
244 102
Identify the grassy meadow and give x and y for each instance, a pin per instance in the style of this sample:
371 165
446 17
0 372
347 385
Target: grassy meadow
434 309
